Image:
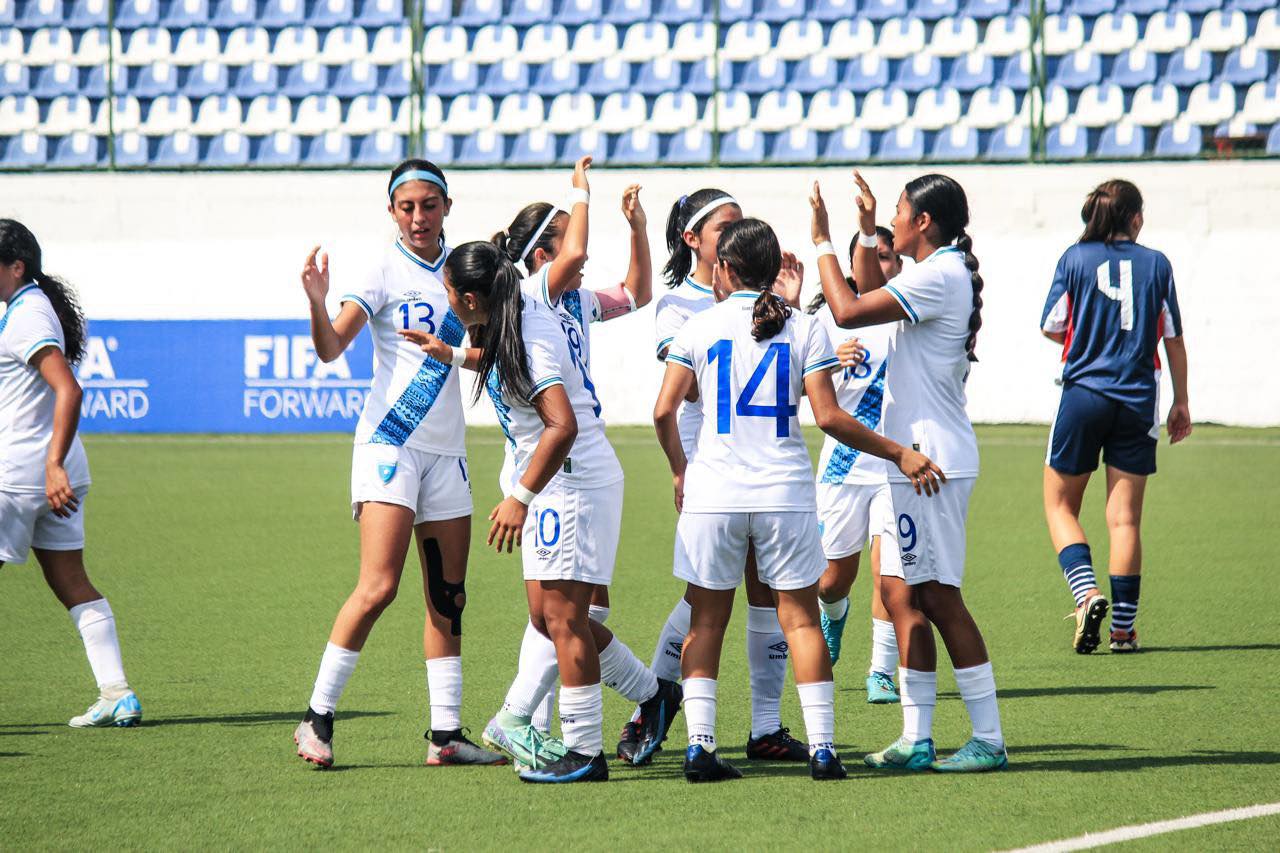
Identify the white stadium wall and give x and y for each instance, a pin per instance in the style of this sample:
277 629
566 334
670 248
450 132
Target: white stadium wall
221 246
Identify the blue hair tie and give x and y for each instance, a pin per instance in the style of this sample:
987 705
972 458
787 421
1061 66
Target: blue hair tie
684 199
418 175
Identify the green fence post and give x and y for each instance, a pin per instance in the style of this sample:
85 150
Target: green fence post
111 84
1036 92
417 85
715 85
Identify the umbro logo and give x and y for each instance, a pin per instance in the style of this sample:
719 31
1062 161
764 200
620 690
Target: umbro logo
909 559
678 648
781 648
543 553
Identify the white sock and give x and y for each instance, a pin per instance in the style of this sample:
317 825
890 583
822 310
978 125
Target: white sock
767 658
835 610
700 712
444 691
597 613
622 671
541 718
97 626
336 666
666 657
535 677
978 690
919 692
818 704
582 718
884 647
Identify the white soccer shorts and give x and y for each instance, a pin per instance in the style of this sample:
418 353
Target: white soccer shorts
435 487
27 522
711 548
924 537
571 534
849 514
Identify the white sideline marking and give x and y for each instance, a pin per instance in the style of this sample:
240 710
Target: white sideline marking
1144 830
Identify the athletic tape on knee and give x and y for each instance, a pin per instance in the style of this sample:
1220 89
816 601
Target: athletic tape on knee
447 598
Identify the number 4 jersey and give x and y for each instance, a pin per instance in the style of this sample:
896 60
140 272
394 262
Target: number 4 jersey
751 454
415 401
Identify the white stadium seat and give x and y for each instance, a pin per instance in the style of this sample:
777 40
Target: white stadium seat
495 43
646 41
850 39
954 37
368 113
693 41
622 111
1266 36
1100 106
991 107
1114 33
520 112
901 38
94 48
778 111
674 112
295 45
883 109
196 46
799 40
147 46
468 114
127 116
390 45
734 108
218 114
47 46
13 46
1262 103
1167 32
1063 34
1007 36
168 114
831 109
570 112
318 114
1154 104
1222 31
267 114
594 42
246 45
444 44
1210 103
67 114
348 44
545 43
936 109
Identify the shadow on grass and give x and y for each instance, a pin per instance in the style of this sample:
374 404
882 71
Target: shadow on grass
250 718
1111 765
1248 647
14 754
21 734
1089 690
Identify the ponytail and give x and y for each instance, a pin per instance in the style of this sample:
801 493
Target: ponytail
750 249
680 262
17 243
523 236
1109 211
944 200
965 244
481 268
769 315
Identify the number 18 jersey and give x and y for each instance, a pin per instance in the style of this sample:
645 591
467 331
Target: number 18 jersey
751 454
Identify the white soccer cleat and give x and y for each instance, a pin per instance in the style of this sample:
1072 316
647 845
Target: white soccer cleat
124 711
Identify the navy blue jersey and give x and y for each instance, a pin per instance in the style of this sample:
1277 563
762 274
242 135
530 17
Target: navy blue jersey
1114 303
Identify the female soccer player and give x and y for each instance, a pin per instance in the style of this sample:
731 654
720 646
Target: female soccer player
44 474
751 483
408 468
937 304
564 508
1111 302
853 489
693 229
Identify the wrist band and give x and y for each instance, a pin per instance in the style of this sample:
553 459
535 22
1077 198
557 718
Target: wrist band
825 248
459 357
577 194
520 493
869 241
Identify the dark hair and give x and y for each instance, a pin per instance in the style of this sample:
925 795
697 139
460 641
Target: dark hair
751 250
680 264
480 268
1109 210
821 298
416 165
17 243
514 242
945 202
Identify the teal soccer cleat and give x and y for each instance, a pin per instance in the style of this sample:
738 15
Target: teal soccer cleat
529 748
832 632
124 711
881 690
976 756
903 755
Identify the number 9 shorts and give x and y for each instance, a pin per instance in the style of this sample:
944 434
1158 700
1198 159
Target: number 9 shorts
571 534
924 539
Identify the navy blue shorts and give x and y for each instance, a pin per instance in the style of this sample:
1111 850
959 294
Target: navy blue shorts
1087 423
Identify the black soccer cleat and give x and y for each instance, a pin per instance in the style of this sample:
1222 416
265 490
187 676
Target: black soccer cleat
574 767
825 764
703 766
776 746
656 715
629 741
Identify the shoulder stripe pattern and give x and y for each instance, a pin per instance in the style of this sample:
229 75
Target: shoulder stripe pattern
39 345
500 408
825 364
902 300
679 359
420 395
364 306
663 344
868 414
547 383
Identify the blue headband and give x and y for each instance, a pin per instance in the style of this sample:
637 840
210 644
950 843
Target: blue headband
418 175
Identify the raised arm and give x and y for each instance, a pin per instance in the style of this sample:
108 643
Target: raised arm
67 394
677 383
572 256
639 280
867 273
848 308
330 337
1175 350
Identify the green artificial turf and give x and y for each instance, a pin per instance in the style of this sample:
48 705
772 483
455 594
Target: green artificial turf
225 561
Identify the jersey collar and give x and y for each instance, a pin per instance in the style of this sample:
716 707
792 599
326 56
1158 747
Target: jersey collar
13 300
701 288
444 253
943 250
745 294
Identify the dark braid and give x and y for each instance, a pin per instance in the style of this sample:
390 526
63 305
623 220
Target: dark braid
944 200
17 243
965 244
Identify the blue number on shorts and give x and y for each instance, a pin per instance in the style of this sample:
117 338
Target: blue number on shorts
782 409
541 528
575 353
906 530
422 319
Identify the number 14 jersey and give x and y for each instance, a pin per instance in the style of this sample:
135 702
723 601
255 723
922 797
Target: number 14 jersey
751 455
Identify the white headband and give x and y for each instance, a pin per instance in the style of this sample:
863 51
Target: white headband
707 209
537 235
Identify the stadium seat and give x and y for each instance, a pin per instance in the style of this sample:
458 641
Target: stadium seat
1067 141
50 81
1262 103
432 114
734 111
1167 32
1154 104
954 38
217 114
638 146
851 39
1122 140
693 42
1051 7
583 143
509 77
1188 67
1063 34
459 77
1251 6
744 146
494 43
918 73
1266 34
831 109
436 13
833 11
936 109
1080 69
556 77
901 38
360 78
688 147
1007 36
815 74
317 114
387 148
468 114
267 114
1235 128
441 45
680 11
779 111
985 10
380 13
570 112
87 14
40 15
1210 104
622 112
1223 31
576 13
147 46
126 117
849 145
958 143
260 78
153 81
280 149
661 75
904 143
1113 34
230 14
794 145
1057 106
1090 8
197 45
526 13
186 13
674 112
246 45
178 150
1017 73
45 47
12 46
992 107
798 40
746 40
645 42
763 75
1135 68
534 148
935 10
78 150
15 79
67 114
1100 106
93 49
369 113
1010 142
518 113
131 150
309 78
781 11
390 45
26 150
881 11
329 149
608 76
1273 140
482 148
594 42
544 43
277 14
397 80
1178 139
625 12
865 74
346 44
701 76
331 13
1245 66
167 114
972 72
883 109
732 11
474 14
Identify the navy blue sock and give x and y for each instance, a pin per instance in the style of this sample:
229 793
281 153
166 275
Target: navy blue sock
1124 601
1077 567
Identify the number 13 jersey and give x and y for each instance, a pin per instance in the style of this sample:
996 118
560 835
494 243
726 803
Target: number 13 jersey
751 454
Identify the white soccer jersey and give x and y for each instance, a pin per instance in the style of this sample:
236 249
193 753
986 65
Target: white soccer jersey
751 454
924 394
29 325
415 401
860 391
580 305
674 309
552 361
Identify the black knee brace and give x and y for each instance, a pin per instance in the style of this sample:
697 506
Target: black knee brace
448 599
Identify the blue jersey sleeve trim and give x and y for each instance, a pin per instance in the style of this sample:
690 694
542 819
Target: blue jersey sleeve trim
663 344
363 306
825 364
547 383
679 359
912 316
39 345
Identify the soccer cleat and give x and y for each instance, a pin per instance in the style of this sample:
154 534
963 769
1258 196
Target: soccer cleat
629 741
881 690
572 767
1124 642
825 764
1088 618
456 750
976 756
124 712
703 766
314 737
776 746
832 632
656 715
529 748
903 755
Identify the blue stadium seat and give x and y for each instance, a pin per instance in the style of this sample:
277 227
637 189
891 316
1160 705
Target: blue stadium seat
308 78
607 77
1178 139
277 14
815 74
639 146
1067 142
781 11
8 13
40 15
1273 140
1250 5
905 143
985 10
152 81
919 73
1197 7
848 145
883 10
1016 75
554 78
866 73
526 13
830 11
131 150
229 14
935 10
261 78
1188 67
79 150
50 81
379 13
660 75
478 13
355 79
15 79
1010 142
332 13
533 148
797 145
700 82
1121 142
26 151
579 12
1090 8
762 75
227 150
732 11
85 14
1246 65
1143 8
434 14
972 72
459 77
394 80
175 151
742 146
484 148
690 147
1134 68
1078 70
280 149
625 12
955 143
680 11
95 84
132 14
1051 7
506 78
583 143
182 14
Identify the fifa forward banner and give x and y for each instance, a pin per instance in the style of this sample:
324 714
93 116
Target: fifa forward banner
218 376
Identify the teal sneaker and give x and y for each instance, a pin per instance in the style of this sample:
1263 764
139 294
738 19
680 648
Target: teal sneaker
832 632
123 711
529 748
881 690
976 756
903 755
